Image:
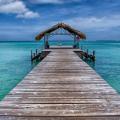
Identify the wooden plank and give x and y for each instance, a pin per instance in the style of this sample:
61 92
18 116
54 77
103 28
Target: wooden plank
49 100
112 117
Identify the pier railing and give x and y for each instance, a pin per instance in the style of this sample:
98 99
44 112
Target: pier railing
38 55
85 55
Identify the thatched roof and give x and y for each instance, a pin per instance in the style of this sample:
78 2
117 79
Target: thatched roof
64 26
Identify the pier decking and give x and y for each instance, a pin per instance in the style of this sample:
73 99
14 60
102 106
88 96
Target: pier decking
62 86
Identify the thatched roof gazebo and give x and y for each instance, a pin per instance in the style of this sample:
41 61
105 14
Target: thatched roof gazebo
69 29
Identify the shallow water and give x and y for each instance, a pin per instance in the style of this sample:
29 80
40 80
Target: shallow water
15 61
107 60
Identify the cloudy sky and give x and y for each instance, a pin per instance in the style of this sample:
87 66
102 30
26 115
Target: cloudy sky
23 19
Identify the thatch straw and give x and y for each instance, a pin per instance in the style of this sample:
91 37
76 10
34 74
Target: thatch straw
64 26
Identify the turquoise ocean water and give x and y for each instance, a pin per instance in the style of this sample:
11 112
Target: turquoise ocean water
15 61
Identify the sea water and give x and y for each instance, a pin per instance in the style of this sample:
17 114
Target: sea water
15 62
107 60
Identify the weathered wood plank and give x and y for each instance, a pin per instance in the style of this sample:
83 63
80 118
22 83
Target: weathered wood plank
110 117
48 100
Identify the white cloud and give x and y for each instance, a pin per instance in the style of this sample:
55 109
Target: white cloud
93 22
16 7
53 1
46 1
13 7
28 15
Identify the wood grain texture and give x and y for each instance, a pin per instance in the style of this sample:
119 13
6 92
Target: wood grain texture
61 87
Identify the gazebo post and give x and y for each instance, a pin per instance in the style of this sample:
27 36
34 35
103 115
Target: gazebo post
76 41
77 44
46 44
74 46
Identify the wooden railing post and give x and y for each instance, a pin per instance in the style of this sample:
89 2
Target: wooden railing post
31 55
81 47
36 51
87 51
84 54
93 55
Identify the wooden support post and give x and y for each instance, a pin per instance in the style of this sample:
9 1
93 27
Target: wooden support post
36 51
82 54
93 56
93 53
31 55
78 44
87 51
47 42
87 54
81 47
74 46
44 42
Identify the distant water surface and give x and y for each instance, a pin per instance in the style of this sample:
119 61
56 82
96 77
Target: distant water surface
15 61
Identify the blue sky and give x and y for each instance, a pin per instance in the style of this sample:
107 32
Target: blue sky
24 19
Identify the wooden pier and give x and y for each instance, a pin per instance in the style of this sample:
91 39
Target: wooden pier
61 87
38 56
